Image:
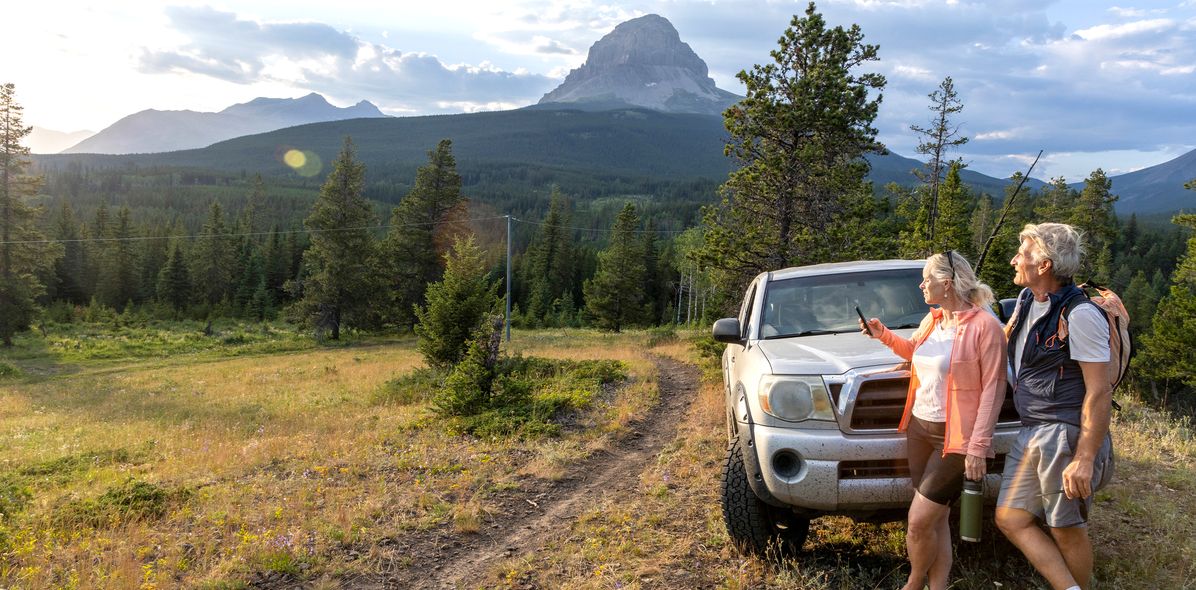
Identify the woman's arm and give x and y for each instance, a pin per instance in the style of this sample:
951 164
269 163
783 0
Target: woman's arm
902 347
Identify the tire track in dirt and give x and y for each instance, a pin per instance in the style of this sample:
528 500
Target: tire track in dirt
544 510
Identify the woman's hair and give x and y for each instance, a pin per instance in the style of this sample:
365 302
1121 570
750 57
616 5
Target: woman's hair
965 284
1060 243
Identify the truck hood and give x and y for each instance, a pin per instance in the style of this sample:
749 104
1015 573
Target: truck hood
827 354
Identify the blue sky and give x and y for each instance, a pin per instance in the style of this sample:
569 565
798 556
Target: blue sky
1094 84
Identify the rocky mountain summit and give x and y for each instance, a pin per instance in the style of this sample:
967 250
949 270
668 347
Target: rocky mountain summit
152 130
644 63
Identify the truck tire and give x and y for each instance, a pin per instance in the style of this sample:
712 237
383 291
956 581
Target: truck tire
756 527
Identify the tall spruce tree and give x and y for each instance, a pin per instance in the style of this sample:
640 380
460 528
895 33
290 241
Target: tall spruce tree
549 265
120 282
70 270
174 281
213 258
422 227
799 135
1092 213
953 220
941 136
339 280
614 296
22 254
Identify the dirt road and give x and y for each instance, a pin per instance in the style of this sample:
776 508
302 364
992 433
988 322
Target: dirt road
542 511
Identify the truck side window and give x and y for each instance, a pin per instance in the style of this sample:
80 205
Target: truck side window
746 312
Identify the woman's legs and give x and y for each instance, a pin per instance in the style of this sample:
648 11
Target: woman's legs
928 542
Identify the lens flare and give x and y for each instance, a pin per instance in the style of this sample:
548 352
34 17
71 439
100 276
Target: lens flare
294 158
303 162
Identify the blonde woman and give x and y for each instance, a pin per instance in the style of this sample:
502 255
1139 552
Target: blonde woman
957 385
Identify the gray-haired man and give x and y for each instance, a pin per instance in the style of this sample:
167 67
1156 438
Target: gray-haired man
1063 453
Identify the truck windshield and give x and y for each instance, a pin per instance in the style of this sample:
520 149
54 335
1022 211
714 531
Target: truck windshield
824 304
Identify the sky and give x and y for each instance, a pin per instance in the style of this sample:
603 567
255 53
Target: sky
1091 83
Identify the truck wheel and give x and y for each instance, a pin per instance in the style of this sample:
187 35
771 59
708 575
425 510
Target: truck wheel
756 527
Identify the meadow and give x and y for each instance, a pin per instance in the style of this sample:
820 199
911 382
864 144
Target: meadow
156 458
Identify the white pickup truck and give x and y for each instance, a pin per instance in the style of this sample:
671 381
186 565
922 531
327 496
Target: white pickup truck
813 405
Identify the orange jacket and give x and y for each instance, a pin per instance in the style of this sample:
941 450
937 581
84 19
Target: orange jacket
975 383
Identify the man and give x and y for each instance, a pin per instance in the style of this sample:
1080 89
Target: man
1059 352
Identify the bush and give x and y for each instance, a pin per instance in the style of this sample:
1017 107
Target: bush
130 500
457 304
661 335
14 496
9 371
466 391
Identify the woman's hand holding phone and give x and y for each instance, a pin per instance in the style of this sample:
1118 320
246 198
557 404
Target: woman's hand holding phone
870 328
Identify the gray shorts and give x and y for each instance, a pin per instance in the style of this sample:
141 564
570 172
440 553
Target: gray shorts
1033 477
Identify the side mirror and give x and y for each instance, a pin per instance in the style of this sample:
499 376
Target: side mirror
1005 309
728 330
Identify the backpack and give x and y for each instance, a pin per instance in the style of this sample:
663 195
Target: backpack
1121 342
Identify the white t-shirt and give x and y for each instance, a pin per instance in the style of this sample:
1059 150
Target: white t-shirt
1087 333
932 361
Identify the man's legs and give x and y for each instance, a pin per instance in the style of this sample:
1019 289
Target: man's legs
1076 548
1041 549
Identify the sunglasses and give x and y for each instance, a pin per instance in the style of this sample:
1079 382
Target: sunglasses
950 262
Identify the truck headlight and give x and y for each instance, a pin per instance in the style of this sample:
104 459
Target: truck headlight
795 398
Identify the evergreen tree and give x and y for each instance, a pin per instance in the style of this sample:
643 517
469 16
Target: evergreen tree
1168 352
174 281
277 260
548 265
1092 213
339 281
456 306
21 257
953 220
1139 299
152 257
982 220
1055 202
100 234
615 295
422 226
121 280
936 140
213 258
799 134
70 270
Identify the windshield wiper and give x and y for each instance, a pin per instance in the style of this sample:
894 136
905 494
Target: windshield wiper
903 326
807 333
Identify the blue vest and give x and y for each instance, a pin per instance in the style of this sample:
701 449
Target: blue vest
1049 387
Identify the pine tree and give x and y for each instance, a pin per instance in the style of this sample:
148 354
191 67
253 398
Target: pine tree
1055 202
213 258
456 306
22 257
277 257
339 280
70 270
174 281
799 135
980 225
1092 213
548 265
121 280
936 140
953 219
614 296
422 228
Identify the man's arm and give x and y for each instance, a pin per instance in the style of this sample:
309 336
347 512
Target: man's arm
1094 425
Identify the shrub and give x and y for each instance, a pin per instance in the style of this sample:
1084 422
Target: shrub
14 496
130 500
456 306
415 387
8 371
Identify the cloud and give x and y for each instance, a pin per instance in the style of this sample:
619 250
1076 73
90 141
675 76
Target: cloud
315 56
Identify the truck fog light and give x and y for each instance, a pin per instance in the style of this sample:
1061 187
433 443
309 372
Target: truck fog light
786 464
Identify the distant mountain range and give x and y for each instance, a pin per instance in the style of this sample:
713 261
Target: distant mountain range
152 130
49 141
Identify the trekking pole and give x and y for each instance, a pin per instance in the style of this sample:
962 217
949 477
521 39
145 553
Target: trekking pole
1004 213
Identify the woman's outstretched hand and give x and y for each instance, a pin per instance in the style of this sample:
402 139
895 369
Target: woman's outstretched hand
873 329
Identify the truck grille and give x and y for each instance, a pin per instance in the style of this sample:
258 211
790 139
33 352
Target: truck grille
882 468
879 403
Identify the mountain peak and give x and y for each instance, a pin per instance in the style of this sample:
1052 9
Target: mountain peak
643 62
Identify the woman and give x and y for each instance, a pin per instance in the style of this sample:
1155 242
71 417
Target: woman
956 388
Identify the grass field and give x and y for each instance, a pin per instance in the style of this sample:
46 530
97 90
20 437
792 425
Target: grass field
144 463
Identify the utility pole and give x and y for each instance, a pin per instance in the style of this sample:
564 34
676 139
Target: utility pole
507 318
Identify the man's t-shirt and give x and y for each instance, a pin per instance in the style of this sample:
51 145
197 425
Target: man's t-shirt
1087 333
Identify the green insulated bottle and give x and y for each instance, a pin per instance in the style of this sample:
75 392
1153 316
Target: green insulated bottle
971 508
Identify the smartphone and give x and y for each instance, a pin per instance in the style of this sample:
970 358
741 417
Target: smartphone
866 326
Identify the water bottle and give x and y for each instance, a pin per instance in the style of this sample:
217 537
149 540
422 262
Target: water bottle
971 509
